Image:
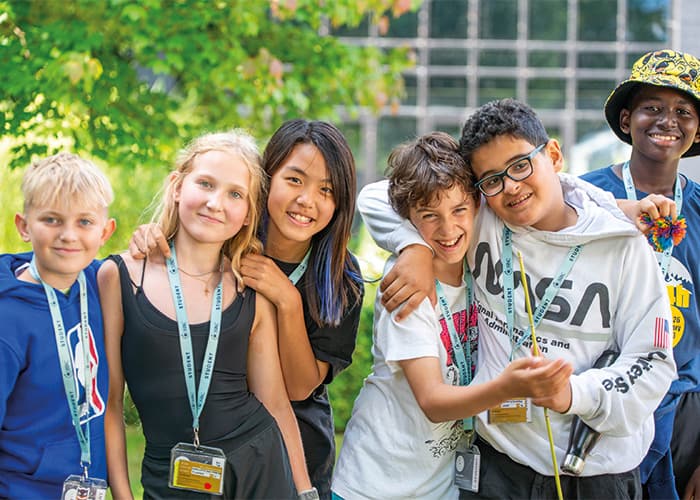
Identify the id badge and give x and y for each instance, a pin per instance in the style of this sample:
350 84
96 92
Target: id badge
513 411
77 487
199 469
467 466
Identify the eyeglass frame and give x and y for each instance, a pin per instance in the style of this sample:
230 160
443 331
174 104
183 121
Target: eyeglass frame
504 173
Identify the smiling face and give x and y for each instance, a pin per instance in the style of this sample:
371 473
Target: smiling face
536 201
301 202
64 238
446 225
213 198
662 122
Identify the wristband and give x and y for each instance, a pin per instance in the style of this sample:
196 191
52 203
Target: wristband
310 494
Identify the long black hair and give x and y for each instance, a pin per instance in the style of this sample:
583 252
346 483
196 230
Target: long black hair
335 279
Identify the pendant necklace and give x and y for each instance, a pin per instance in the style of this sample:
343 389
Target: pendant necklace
206 281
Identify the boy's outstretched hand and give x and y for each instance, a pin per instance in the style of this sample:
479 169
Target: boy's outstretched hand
542 379
148 238
409 282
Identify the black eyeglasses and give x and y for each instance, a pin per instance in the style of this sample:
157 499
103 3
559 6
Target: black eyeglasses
519 170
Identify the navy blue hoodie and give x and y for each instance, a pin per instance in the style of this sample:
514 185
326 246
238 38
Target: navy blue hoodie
38 445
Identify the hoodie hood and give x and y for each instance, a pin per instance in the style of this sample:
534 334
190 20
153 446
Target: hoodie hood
12 265
598 216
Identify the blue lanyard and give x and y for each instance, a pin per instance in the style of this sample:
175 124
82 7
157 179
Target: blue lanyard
301 268
462 357
549 294
67 367
183 326
677 197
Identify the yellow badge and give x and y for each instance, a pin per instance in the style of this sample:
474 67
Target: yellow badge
513 411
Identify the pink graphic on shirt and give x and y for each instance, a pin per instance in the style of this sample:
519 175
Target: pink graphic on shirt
460 323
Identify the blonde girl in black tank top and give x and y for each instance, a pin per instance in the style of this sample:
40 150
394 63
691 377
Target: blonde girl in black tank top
208 214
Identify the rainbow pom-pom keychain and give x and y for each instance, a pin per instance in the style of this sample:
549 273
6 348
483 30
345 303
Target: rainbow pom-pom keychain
664 232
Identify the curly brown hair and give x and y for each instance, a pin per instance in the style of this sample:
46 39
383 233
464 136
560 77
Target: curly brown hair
421 169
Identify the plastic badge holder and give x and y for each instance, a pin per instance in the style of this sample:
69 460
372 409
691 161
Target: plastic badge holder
467 465
199 469
81 488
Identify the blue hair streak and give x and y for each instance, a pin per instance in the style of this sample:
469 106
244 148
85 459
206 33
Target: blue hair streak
330 300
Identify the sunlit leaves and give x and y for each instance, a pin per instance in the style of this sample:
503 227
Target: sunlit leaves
129 81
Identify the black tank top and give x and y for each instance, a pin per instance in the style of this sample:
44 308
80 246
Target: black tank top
153 371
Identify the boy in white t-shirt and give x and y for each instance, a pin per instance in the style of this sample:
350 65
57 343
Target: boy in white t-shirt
407 422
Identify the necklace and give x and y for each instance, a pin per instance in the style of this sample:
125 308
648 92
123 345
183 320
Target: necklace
191 275
205 282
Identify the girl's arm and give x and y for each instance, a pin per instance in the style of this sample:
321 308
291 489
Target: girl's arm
266 382
115 437
302 371
525 377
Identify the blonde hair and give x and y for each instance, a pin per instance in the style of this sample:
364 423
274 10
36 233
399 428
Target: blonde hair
64 179
235 142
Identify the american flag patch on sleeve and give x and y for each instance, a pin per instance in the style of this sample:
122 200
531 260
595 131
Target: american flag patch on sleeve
662 337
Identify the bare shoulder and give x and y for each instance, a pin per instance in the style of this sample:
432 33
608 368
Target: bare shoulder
137 267
108 273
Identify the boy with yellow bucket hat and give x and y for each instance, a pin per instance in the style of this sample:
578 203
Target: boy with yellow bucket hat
657 111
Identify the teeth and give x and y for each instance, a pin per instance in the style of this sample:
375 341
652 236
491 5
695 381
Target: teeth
664 137
301 218
522 198
449 243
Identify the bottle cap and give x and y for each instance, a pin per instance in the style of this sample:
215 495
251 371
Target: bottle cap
573 464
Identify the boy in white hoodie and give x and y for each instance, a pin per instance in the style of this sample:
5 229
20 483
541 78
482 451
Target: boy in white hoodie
594 285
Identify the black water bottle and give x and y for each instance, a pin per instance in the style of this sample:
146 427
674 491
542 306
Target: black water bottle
583 438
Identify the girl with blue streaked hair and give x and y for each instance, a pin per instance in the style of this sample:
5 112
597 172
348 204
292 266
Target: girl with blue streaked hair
306 225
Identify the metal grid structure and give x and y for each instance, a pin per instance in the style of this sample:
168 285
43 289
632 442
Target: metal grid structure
563 57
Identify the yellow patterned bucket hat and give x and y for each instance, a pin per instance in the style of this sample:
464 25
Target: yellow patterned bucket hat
663 68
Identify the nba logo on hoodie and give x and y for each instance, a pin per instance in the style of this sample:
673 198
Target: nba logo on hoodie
96 406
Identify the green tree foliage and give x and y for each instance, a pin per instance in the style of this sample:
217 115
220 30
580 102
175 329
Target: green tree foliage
126 81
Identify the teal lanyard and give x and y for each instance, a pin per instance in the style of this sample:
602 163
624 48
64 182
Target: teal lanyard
462 357
677 197
67 367
196 398
549 294
301 268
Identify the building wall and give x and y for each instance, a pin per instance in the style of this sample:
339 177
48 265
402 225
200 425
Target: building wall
563 57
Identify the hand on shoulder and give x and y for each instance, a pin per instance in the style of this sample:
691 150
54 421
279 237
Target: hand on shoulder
409 282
